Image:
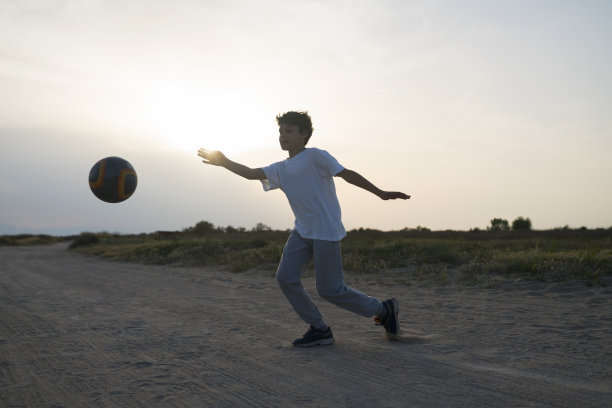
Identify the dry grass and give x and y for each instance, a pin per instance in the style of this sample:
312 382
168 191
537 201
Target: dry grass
29 239
476 257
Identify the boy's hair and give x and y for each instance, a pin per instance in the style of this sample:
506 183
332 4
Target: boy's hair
300 119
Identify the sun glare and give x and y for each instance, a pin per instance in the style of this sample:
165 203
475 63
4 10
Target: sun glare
187 117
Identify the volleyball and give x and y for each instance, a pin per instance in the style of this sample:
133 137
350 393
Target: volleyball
113 179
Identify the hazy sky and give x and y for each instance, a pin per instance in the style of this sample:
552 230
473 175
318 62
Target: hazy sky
478 109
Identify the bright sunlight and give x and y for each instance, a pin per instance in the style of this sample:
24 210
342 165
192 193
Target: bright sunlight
189 116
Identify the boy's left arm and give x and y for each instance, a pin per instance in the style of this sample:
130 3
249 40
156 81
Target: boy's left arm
358 180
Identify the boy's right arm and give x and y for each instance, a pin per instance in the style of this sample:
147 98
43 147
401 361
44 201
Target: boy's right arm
217 158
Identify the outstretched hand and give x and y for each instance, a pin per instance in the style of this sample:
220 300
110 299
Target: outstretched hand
393 195
213 157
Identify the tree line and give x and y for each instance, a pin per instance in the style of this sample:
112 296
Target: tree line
519 224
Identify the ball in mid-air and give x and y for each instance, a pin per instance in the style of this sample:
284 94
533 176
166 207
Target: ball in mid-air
113 179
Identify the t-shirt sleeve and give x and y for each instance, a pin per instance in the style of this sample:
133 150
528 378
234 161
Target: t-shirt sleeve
327 163
272 180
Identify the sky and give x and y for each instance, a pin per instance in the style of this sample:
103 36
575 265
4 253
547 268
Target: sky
477 109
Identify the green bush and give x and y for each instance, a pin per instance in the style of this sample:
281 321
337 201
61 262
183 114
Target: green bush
85 239
499 224
521 224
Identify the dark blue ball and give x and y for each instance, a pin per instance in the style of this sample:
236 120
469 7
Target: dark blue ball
113 179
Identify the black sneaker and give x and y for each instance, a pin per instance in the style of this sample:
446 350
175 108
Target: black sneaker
390 322
314 337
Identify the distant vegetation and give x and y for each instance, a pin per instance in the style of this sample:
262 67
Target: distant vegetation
29 239
469 257
409 255
519 224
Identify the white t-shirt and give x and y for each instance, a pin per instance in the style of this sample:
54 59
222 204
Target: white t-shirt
307 179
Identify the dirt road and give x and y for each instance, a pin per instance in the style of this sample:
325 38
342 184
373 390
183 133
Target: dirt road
77 331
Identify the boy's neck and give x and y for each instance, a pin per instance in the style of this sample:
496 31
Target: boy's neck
296 152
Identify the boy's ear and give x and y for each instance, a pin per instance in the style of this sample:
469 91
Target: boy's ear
305 135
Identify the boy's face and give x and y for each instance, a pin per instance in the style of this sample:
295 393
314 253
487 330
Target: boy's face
290 138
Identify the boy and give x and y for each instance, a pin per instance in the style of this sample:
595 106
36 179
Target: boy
306 178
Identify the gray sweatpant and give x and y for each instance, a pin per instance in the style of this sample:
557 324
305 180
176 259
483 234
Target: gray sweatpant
297 254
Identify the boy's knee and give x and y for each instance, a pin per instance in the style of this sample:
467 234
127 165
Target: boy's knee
285 279
329 293
280 278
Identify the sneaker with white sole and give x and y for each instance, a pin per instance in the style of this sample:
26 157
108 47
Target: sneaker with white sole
390 322
315 337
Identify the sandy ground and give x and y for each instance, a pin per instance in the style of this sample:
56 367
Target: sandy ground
76 331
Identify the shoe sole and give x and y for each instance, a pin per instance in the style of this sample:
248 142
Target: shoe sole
321 342
396 312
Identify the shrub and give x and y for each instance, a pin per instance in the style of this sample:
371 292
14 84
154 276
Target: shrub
521 224
86 238
261 227
202 228
499 224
